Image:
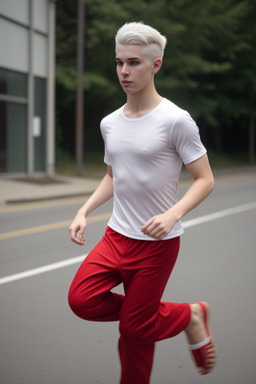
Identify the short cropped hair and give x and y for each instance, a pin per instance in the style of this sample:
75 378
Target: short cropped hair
144 35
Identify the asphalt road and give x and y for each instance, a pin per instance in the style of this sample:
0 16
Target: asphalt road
42 342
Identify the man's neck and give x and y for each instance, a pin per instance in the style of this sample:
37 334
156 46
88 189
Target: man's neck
138 106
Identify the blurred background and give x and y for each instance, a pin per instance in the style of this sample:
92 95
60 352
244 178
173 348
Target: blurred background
58 80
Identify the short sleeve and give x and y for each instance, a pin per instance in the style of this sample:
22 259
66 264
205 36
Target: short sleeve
185 138
103 134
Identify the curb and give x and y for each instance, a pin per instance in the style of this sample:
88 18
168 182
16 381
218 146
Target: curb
185 178
44 198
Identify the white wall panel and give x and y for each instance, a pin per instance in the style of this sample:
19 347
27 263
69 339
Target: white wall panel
40 15
40 55
16 9
13 46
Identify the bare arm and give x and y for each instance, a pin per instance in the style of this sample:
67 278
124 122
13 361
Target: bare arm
159 226
103 193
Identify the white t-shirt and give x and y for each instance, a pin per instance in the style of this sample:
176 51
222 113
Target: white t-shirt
146 156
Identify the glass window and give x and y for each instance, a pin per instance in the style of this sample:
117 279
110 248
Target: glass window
40 113
3 145
13 83
13 137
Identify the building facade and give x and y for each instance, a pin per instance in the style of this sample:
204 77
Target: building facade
27 78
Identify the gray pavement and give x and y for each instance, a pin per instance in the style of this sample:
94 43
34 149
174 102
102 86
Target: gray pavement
19 191
43 342
13 191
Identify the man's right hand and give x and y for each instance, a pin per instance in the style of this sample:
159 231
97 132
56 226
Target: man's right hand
77 229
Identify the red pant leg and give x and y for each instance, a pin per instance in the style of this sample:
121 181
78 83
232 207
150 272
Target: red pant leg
90 295
143 319
145 272
144 267
136 362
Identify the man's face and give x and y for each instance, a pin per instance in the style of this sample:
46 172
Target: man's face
135 71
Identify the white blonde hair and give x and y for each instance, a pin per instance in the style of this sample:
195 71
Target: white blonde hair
144 35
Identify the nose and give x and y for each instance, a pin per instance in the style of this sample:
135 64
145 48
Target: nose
124 70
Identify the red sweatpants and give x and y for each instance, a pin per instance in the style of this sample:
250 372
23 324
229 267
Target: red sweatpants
144 268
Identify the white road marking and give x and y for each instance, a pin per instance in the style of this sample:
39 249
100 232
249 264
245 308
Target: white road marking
39 270
79 259
219 214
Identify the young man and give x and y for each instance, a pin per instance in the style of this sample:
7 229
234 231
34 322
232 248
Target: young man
146 142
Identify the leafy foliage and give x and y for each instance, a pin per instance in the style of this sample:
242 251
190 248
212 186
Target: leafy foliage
209 64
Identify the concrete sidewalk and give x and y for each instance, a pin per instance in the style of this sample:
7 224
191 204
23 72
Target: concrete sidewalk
14 191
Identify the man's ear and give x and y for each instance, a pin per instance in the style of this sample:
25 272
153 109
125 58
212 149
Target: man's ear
157 63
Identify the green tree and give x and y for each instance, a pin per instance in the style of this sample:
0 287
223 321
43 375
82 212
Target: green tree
200 56
240 83
208 65
102 20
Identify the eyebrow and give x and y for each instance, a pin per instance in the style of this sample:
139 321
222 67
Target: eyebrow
129 59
